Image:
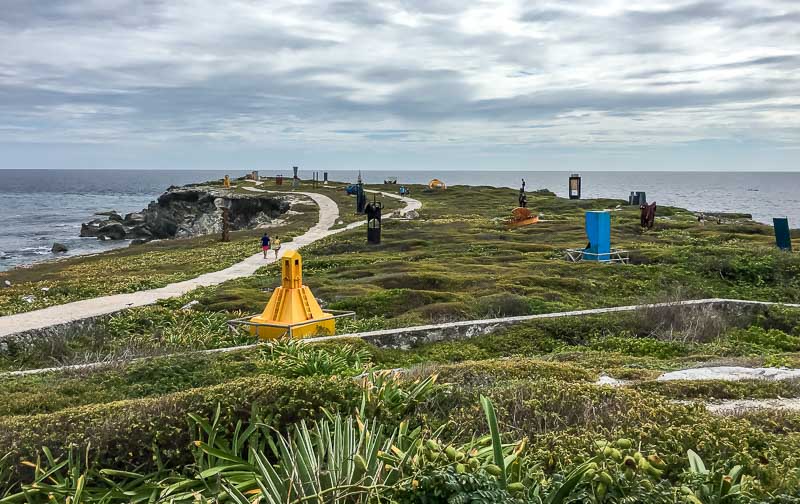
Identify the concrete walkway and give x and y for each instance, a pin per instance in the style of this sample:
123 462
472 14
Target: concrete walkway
89 308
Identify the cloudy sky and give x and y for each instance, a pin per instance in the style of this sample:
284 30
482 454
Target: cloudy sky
407 84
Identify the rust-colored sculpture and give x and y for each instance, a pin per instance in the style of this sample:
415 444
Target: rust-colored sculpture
648 216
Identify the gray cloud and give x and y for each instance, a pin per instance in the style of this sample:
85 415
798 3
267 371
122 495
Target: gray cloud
433 72
689 13
358 12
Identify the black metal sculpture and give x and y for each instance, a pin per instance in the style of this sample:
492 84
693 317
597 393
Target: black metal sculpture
373 211
523 200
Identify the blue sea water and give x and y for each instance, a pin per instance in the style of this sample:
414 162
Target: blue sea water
39 207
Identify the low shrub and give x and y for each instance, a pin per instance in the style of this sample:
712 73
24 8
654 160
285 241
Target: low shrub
450 351
125 432
783 318
722 389
50 392
438 313
563 420
503 304
499 371
757 340
642 347
162 327
390 302
347 325
293 358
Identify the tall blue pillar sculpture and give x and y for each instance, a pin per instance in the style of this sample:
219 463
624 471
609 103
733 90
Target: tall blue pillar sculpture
598 231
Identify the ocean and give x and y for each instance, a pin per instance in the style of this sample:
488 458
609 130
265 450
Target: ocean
40 207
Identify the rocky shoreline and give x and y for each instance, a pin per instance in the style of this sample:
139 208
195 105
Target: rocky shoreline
186 211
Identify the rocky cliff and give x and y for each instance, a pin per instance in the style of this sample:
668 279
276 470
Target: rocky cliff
188 211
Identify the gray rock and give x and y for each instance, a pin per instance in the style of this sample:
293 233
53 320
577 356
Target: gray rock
7 283
58 248
411 214
138 241
188 211
112 215
190 305
113 231
140 231
133 219
90 229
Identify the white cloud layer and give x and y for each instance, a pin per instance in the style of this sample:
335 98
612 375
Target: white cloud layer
576 75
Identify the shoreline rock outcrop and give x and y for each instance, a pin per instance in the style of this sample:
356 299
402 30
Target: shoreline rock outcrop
183 212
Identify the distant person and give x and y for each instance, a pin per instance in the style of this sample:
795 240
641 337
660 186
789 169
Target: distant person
276 246
265 244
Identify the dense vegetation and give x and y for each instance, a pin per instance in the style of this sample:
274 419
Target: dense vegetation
517 415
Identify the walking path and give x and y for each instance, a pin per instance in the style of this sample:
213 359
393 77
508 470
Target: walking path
89 308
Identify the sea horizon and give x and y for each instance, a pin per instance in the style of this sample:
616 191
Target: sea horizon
41 206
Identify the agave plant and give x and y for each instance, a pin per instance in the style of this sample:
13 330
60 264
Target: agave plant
332 461
7 480
711 487
72 480
335 460
387 392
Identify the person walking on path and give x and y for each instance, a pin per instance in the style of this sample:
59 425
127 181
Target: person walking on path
265 244
276 246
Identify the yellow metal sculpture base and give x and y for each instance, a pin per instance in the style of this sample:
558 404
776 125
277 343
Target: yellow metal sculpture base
292 309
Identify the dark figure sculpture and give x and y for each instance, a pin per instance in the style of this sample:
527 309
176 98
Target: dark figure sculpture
648 216
523 200
226 225
373 211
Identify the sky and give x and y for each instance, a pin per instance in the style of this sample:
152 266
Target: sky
408 85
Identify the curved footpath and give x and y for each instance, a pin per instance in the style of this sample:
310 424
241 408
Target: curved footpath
89 308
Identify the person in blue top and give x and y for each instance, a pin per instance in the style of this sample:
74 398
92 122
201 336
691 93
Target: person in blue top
265 244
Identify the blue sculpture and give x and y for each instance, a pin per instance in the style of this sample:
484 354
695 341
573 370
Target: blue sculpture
783 237
598 231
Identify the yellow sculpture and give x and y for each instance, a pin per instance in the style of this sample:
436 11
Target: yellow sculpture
437 184
227 182
292 309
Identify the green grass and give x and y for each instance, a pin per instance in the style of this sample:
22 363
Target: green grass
459 261
572 349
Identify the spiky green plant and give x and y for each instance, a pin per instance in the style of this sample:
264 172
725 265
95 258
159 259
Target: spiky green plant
705 486
294 358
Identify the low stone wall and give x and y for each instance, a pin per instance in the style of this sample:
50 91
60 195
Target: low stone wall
410 337
16 342
407 337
